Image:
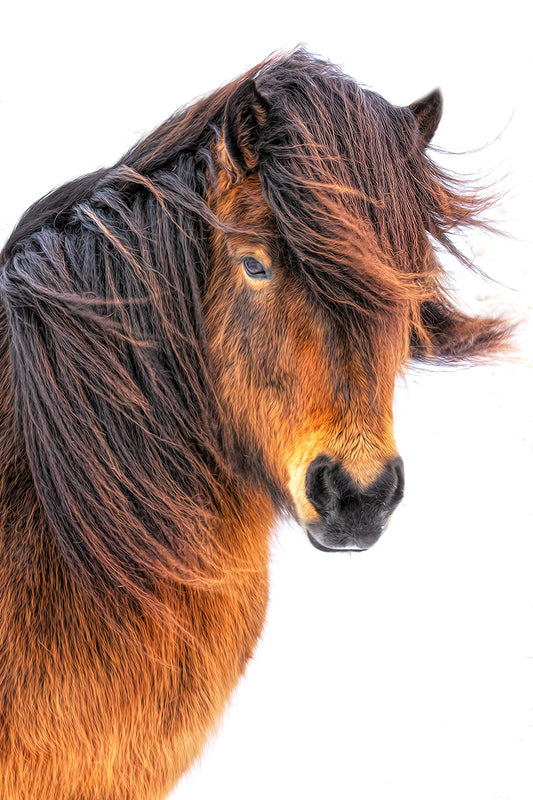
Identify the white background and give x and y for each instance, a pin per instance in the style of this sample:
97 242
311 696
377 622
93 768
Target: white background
406 671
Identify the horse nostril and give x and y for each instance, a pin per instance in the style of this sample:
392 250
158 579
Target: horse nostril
321 484
394 474
382 496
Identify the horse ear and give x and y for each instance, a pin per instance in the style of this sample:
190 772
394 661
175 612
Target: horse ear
244 116
428 113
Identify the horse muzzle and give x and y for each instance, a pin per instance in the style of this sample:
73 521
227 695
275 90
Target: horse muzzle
350 518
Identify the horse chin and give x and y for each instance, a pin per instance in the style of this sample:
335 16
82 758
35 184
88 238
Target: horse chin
325 549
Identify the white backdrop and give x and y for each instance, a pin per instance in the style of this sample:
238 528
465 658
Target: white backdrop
406 671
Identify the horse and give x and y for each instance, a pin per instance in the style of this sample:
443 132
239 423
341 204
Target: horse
193 342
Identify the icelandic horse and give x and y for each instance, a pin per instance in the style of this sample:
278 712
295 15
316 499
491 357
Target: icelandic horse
193 341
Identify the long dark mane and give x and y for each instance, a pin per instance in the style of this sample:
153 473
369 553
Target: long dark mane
106 387
109 387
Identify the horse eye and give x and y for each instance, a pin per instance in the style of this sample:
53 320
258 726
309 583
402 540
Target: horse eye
255 269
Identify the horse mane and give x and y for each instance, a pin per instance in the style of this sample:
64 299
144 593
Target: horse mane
351 182
106 378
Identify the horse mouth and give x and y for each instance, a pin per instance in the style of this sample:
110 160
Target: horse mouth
320 546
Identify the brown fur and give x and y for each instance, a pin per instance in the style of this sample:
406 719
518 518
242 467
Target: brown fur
159 408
